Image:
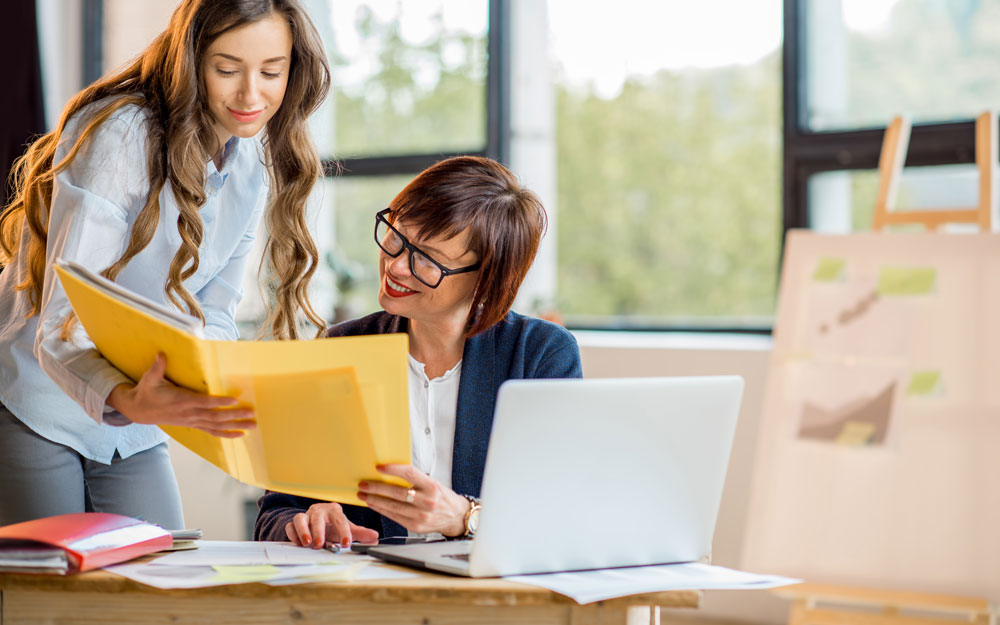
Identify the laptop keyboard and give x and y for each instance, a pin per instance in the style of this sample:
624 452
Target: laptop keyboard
458 556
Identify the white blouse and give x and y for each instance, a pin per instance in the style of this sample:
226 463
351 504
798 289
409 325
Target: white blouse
433 405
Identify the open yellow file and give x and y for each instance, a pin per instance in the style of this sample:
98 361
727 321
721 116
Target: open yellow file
327 410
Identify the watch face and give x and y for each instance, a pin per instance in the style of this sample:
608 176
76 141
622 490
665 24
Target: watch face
474 519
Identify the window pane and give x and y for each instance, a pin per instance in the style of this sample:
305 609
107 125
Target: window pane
668 155
869 61
349 207
844 201
408 77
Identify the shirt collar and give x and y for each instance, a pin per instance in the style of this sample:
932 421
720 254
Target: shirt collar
229 153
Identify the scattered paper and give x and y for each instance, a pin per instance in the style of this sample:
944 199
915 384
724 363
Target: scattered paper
598 585
247 553
357 571
218 563
169 576
243 574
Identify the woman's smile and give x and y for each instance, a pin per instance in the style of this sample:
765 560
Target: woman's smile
396 289
245 116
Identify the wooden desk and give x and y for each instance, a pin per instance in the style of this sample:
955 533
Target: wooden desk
101 598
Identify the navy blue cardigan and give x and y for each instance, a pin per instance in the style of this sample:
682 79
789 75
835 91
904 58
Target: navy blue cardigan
518 347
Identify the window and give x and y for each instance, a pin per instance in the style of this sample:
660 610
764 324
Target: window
408 78
867 61
666 146
851 66
668 159
844 201
410 85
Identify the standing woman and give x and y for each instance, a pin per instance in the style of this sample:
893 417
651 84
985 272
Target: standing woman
156 177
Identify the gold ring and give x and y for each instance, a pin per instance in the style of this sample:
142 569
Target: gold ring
410 494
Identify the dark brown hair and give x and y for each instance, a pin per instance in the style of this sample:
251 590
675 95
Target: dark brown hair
165 80
505 223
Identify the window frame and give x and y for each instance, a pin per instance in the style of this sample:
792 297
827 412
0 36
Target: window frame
497 129
808 152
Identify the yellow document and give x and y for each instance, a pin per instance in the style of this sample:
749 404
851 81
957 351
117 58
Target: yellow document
328 410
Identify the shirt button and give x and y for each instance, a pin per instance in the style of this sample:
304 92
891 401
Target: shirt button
426 383
427 431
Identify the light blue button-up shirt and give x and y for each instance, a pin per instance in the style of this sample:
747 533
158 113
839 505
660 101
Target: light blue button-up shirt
58 388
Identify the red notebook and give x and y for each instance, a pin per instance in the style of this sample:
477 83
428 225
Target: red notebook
90 540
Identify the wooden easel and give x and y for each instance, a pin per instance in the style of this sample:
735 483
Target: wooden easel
820 604
890 167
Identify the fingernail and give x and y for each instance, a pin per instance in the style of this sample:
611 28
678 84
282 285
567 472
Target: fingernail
307 538
362 496
380 467
346 542
363 485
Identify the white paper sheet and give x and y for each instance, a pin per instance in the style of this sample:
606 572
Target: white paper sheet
371 571
220 563
589 586
247 553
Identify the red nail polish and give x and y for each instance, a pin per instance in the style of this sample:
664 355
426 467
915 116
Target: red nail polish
362 485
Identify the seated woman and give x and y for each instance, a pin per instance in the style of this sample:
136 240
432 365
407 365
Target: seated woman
455 245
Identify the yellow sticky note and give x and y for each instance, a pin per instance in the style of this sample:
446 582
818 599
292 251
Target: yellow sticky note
829 270
923 382
243 574
856 433
907 280
342 574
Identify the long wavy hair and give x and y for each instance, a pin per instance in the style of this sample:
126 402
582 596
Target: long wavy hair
166 80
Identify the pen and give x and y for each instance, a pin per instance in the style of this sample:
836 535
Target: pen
334 547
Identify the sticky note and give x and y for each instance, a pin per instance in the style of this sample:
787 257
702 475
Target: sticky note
248 573
829 270
342 574
856 433
923 382
907 280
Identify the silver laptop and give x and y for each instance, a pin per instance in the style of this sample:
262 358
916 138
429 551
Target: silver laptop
595 473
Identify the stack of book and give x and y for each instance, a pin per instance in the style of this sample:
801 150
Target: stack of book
77 542
31 557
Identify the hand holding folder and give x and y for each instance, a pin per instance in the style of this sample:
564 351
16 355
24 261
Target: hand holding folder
327 410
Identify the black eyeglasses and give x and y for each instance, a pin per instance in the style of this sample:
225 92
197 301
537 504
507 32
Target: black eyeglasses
422 266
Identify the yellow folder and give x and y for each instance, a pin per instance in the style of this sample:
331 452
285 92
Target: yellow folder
328 410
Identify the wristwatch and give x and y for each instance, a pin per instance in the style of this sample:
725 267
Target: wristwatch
472 516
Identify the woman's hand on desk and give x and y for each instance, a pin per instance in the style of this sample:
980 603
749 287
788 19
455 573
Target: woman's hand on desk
323 523
427 507
155 400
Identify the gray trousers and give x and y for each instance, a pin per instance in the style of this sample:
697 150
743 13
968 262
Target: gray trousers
39 478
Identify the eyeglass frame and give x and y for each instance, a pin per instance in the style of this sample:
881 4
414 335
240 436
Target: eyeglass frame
445 271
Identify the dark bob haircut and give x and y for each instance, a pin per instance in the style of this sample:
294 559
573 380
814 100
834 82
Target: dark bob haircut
505 223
